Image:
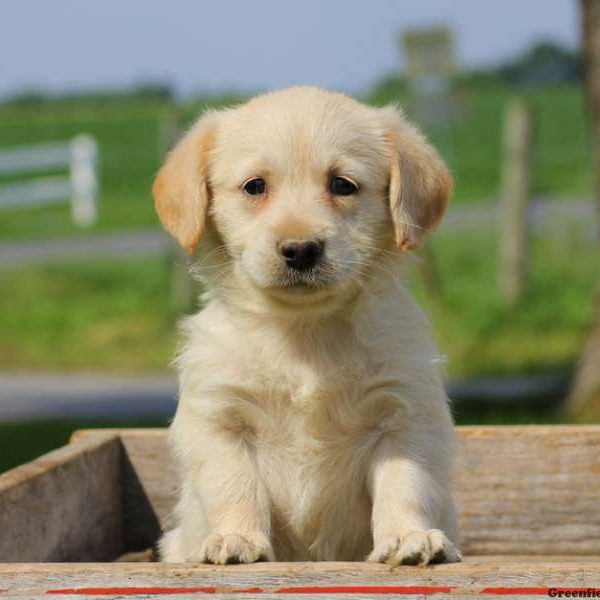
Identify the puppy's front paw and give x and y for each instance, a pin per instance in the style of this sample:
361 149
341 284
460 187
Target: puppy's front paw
415 548
232 549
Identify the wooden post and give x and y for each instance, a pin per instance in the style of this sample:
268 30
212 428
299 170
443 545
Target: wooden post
584 400
516 183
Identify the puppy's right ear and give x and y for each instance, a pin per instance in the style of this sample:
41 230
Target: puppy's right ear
181 190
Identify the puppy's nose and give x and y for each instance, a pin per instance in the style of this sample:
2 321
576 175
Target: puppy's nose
301 255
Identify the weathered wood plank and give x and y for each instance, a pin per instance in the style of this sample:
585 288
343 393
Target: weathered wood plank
520 490
149 481
64 506
299 580
529 490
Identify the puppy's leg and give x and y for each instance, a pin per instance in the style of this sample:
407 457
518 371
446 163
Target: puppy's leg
221 474
410 497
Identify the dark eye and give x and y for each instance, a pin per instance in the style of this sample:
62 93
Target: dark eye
340 186
255 187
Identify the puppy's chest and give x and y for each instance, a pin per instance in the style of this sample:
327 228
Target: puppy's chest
324 417
319 447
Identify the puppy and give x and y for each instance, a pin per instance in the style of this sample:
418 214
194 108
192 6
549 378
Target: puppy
312 422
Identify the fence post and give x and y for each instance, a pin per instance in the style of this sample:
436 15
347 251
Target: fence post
584 397
516 183
84 180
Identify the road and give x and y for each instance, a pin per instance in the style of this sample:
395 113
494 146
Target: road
37 396
150 242
544 213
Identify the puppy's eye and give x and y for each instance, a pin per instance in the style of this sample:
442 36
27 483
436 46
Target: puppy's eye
255 186
340 186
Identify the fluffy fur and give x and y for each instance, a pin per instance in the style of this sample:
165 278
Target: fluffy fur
312 422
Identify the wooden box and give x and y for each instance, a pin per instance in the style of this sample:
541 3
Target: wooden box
528 498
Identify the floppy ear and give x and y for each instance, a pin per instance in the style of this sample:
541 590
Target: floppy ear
420 183
181 190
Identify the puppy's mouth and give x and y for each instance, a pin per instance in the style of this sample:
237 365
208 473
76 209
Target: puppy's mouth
308 280
315 282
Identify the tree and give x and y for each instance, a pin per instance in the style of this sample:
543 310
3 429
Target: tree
584 399
544 63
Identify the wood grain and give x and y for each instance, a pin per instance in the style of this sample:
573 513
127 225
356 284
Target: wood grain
472 578
64 506
529 490
520 490
149 480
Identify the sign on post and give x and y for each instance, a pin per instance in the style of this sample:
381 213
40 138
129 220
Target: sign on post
430 59
80 187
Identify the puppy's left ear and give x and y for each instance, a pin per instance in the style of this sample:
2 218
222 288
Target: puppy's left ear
181 188
420 183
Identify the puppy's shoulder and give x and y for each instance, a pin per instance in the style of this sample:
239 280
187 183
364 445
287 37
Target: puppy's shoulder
207 340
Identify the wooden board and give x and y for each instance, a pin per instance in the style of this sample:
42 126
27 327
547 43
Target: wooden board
519 490
529 490
65 506
516 578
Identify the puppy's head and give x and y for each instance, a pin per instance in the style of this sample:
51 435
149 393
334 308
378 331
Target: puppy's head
304 190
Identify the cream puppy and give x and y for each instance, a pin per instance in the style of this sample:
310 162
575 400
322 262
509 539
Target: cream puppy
312 422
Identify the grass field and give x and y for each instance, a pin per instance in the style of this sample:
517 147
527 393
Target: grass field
545 332
129 141
97 316
118 317
132 137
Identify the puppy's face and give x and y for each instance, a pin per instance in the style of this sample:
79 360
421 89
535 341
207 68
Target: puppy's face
299 192
305 188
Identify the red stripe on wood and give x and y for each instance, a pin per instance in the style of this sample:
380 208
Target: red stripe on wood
132 591
531 591
365 589
324 590
358 589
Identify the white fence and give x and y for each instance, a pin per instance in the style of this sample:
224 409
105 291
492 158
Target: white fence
79 156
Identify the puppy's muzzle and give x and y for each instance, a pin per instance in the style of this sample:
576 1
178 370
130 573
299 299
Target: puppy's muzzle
301 255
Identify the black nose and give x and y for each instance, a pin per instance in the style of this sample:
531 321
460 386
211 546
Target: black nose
301 255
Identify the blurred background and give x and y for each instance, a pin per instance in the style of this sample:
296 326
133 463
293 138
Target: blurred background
93 94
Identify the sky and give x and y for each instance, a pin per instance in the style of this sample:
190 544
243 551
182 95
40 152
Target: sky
242 45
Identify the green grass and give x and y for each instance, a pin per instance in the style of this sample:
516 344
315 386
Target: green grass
544 332
43 436
119 317
97 316
133 135
472 146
